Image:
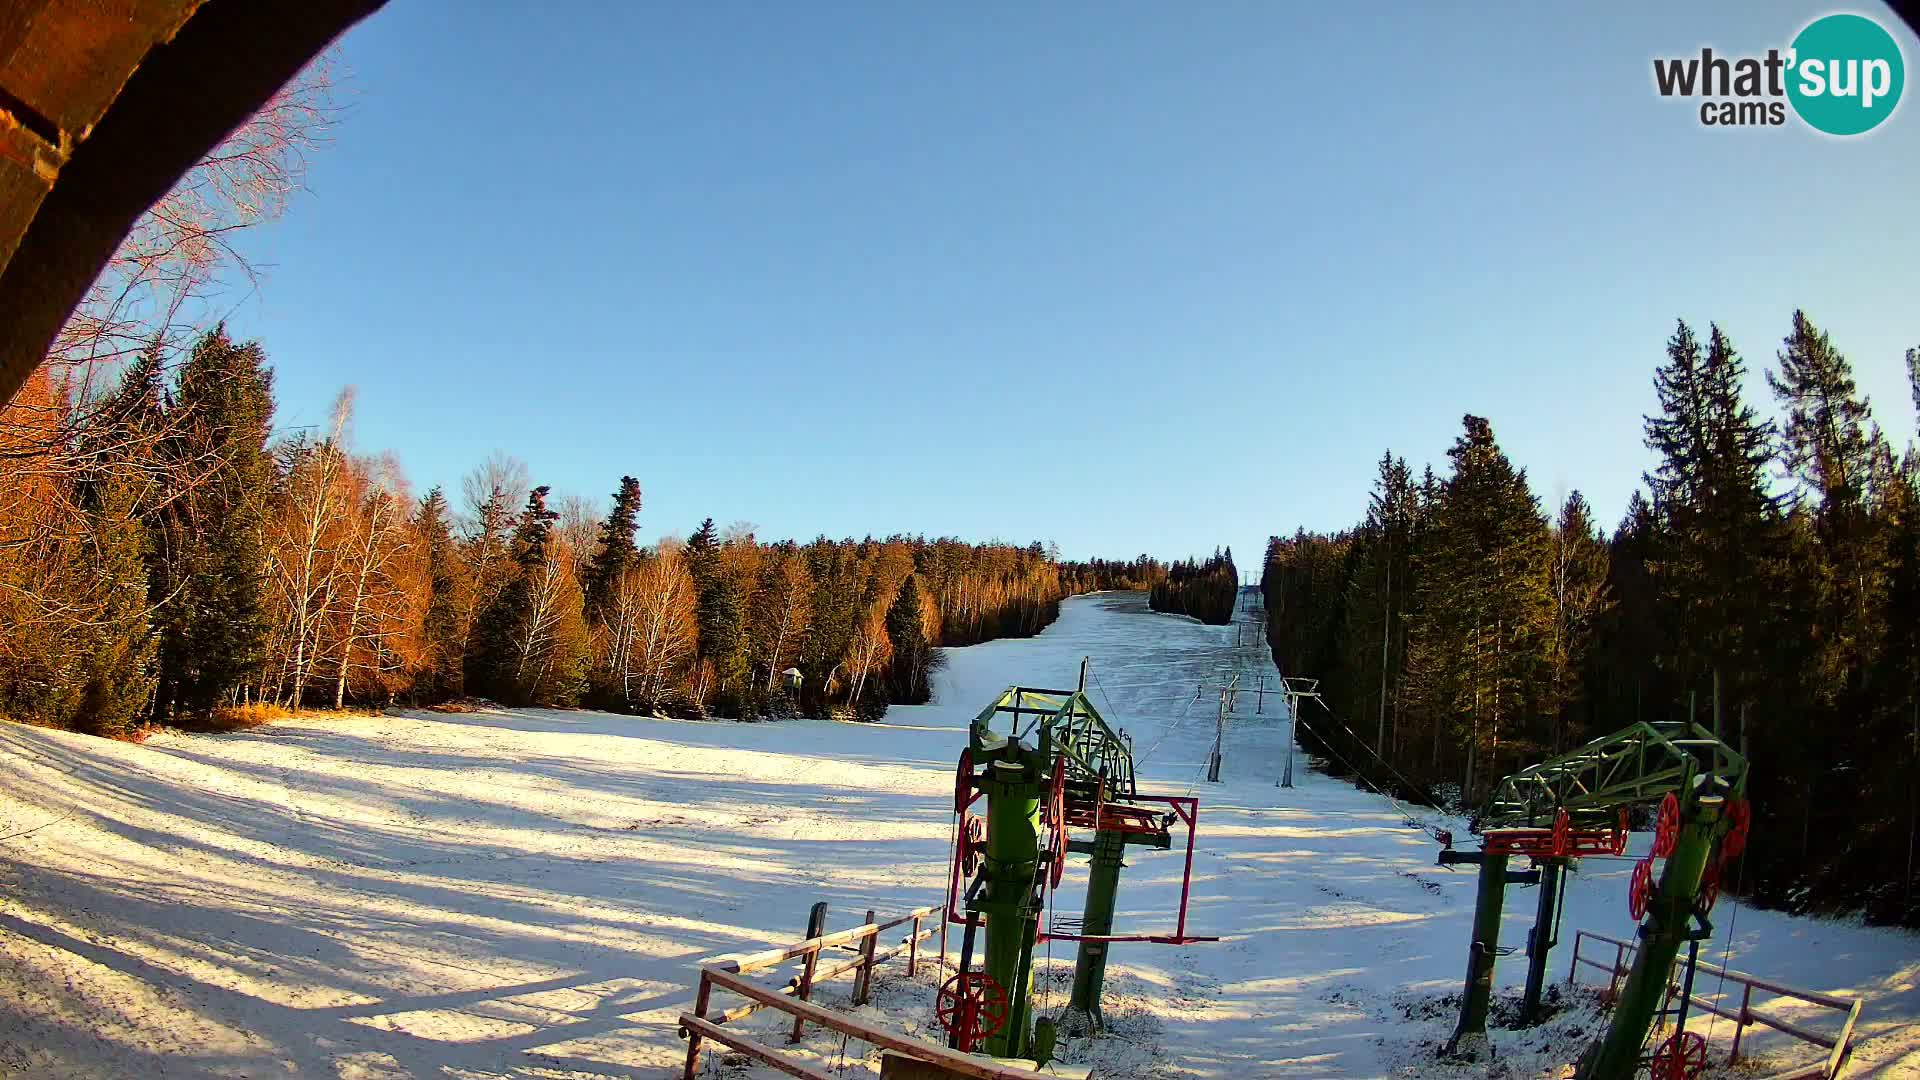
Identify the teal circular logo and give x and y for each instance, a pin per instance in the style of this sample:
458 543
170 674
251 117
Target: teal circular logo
1845 74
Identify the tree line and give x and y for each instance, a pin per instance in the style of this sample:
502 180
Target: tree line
1765 584
1206 590
173 557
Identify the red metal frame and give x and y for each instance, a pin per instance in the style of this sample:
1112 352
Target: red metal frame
1540 843
1125 818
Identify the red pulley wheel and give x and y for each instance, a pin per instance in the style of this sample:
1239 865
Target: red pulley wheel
1620 834
1059 867
1739 820
971 1006
1057 794
1666 829
1682 1057
1709 893
1562 832
963 782
1640 889
973 841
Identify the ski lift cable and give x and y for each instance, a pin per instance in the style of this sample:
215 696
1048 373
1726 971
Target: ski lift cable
1397 804
1411 786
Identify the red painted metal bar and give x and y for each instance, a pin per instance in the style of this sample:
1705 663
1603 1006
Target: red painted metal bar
1187 809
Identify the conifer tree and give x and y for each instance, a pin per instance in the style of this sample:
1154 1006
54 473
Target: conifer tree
507 630
616 551
1484 607
442 672
1720 525
912 653
719 610
213 626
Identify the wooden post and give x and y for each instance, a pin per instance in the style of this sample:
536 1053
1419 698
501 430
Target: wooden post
693 1034
863 977
816 926
1741 1025
913 948
1613 977
804 992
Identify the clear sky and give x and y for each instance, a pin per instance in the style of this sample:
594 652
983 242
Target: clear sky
1131 277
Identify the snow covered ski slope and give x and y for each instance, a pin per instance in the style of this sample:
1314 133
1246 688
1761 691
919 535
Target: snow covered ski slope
523 893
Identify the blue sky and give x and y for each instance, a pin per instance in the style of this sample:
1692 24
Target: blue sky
1125 276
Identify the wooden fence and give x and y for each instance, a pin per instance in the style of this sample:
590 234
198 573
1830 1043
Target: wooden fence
1838 1046
792 998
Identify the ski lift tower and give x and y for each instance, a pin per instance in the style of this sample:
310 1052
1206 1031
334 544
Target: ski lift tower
1046 762
1577 804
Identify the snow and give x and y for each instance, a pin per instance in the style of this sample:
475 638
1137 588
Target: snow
524 893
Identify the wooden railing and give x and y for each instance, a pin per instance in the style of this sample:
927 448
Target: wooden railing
792 998
1838 1046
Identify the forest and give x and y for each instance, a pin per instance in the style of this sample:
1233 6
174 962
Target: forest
1765 583
1204 590
183 560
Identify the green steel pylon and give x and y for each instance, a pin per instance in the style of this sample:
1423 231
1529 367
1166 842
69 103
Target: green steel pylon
1578 795
1667 926
1008 902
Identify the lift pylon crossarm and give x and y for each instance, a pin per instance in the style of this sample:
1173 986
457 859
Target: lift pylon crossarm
1636 764
1067 724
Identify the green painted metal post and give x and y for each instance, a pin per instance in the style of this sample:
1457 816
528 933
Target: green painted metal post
1470 1035
1013 849
1541 941
1661 935
1090 963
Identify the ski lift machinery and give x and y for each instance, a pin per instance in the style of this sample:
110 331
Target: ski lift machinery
1051 766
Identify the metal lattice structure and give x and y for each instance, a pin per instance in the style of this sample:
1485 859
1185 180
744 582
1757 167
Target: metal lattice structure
1065 723
1635 765
1577 804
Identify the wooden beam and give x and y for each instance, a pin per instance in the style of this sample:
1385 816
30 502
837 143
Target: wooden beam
979 1068
760 1052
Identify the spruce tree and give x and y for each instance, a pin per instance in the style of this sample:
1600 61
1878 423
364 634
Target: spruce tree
1484 608
1722 541
500 629
212 551
912 653
720 610
442 673
616 551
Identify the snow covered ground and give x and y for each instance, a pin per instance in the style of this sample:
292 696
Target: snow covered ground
523 893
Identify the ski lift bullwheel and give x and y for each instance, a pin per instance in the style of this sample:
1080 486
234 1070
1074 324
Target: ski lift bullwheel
1739 820
1666 827
1620 833
1681 1057
971 1007
1640 889
963 782
1562 832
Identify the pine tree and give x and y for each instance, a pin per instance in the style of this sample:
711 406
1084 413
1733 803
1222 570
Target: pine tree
212 549
615 552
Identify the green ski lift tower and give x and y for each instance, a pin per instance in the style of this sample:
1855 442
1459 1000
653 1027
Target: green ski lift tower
1578 804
